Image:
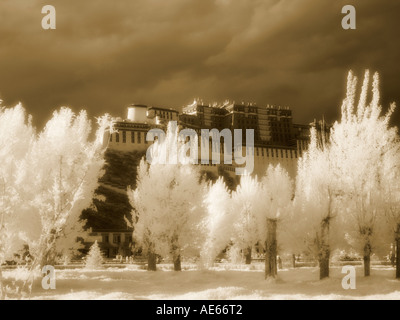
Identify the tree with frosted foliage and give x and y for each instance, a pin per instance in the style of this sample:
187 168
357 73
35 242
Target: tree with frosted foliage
63 167
314 199
275 207
217 222
94 259
391 199
67 245
167 201
360 143
245 209
16 137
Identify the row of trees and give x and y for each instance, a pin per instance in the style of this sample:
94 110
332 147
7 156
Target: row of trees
346 194
348 182
46 179
177 212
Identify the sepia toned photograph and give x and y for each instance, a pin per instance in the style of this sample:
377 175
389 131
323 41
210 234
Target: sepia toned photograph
207 152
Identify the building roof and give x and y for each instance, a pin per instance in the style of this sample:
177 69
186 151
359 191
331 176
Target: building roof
163 109
137 106
110 230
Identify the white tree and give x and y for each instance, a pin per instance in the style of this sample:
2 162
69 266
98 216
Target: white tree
94 259
276 205
314 199
360 143
246 213
167 203
391 199
67 245
217 222
16 137
63 168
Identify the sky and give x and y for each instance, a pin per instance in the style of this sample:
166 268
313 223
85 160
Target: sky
105 55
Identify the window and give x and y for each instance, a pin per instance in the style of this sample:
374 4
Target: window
124 136
262 152
128 238
116 238
116 137
257 151
132 136
106 253
105 239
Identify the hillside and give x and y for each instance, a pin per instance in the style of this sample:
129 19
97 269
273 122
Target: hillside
120 172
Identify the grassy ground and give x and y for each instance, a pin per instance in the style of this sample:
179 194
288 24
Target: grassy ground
222 282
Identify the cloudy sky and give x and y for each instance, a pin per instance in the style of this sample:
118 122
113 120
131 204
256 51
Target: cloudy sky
107 54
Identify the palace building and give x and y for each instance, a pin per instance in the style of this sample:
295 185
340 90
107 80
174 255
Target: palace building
276 138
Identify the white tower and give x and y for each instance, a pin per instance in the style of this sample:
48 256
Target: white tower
137 113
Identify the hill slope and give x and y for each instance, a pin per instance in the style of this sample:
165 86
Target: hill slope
120 172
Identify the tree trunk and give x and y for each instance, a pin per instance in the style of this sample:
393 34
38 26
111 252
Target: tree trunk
324 263
176 253
271 249
47 256
2 293
398 252
324 250
367 258
247 254
177 262
151 261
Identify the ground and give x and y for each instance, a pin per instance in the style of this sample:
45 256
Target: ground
222 282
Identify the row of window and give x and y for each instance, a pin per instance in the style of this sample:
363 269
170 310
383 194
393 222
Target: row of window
164 114
136 137
232 169
277 129
279 124
302 144
246 116
284 153
247 121
117 238
275 152
281 138
286 113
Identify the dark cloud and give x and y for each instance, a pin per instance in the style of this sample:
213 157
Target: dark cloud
107 54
